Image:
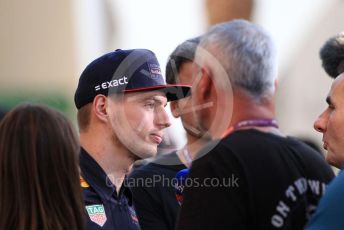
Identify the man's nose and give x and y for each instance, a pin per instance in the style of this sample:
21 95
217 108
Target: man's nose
321 122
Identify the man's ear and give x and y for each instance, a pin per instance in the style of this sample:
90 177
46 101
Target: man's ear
99 107
205 84
175 108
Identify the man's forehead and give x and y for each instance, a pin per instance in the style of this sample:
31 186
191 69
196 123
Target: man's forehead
337 88
338 82
139 96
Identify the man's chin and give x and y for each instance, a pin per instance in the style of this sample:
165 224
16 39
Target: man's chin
333 162
148 153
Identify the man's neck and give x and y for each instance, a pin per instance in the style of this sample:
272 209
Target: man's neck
116 161
192 147
242 107
246 109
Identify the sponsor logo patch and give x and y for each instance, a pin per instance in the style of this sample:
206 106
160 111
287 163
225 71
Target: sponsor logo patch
83 183
133 215
97 214
154 70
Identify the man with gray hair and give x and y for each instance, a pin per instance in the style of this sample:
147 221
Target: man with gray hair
253 176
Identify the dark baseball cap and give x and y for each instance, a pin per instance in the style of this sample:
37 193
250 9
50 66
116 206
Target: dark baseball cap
125 71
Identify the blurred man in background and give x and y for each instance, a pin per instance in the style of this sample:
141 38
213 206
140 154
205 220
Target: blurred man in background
330 123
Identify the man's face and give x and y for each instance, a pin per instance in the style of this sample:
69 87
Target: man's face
137 121
199 110
185 105
331 124
206 113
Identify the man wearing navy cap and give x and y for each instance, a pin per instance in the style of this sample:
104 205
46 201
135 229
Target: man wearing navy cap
121 99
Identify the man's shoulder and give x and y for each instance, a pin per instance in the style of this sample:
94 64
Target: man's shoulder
90 196
243 149
216 158
257 143
335 188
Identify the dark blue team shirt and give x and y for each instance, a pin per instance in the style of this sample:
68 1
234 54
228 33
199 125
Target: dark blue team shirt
329 213
104 208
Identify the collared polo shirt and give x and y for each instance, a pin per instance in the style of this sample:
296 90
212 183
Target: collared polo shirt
105 209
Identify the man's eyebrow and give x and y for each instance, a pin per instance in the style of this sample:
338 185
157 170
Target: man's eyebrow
155 99
159 100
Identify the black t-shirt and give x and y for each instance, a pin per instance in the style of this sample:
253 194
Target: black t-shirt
153 192
254 180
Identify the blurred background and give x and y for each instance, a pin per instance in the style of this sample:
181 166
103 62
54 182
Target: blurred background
46 44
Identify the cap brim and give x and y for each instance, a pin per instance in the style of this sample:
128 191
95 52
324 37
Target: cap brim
172 91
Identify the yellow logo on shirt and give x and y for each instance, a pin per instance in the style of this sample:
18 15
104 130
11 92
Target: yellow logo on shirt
83 183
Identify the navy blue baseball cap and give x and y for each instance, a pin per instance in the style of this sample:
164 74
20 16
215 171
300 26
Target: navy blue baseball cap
125 71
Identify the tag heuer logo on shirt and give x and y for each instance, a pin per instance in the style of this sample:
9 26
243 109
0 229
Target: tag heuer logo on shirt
97 214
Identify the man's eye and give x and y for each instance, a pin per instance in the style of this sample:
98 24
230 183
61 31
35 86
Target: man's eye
150 104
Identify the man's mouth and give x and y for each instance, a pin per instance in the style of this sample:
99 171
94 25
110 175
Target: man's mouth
156 138
325 145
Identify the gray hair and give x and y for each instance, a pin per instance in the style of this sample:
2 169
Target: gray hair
246 53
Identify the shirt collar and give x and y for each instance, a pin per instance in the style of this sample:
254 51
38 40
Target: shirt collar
98 180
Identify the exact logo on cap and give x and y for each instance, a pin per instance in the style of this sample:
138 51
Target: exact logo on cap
113 83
